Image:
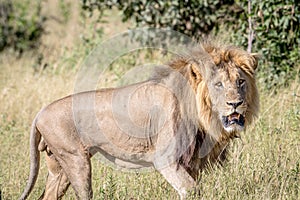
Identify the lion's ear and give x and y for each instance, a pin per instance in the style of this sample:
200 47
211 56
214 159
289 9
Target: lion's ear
194 73
255 57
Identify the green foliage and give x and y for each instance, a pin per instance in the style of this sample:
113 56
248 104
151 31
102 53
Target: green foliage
275 25
192 18
21 25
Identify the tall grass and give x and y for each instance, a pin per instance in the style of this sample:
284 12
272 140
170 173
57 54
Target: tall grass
264 163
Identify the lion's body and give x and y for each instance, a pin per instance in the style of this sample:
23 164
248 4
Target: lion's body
110 136
169 122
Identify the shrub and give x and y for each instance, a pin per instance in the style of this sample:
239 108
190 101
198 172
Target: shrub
21 25
192 18
275 26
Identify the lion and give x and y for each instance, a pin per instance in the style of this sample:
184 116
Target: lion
179 121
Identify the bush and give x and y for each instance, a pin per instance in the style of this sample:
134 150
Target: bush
192 18
20 26
275 26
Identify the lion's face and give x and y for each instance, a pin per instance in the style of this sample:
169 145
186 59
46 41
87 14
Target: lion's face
228 89
223 80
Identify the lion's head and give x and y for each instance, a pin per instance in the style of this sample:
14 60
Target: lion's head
231 87
223 79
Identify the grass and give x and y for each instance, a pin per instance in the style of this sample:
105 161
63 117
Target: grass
264 164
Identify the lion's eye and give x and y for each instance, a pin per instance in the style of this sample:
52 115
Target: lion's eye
241 82
219 84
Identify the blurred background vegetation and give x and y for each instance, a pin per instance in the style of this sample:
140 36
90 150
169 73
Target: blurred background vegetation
270 28
21 25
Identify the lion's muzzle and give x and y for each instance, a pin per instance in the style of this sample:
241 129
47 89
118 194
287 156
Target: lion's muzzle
233 119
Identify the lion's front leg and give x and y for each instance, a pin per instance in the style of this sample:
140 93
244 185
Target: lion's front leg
179 178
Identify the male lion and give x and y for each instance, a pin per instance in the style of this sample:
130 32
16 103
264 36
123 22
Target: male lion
179 121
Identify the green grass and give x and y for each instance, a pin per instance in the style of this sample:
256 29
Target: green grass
264 164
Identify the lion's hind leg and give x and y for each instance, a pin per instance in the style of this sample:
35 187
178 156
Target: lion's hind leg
57 181
77 166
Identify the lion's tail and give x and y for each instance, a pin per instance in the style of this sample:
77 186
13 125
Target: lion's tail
35 138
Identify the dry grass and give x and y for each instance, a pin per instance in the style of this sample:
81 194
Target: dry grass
265 164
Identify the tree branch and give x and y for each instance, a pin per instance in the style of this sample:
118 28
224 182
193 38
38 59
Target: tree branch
251 31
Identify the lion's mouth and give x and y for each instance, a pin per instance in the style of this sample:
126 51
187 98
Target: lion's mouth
233 119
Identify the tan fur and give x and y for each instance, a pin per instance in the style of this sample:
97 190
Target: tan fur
172 122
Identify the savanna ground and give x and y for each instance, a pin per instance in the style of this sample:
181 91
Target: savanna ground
264 163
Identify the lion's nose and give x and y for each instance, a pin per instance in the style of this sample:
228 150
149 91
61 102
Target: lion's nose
234 104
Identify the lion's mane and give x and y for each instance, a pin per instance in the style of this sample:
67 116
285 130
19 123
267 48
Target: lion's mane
204 148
